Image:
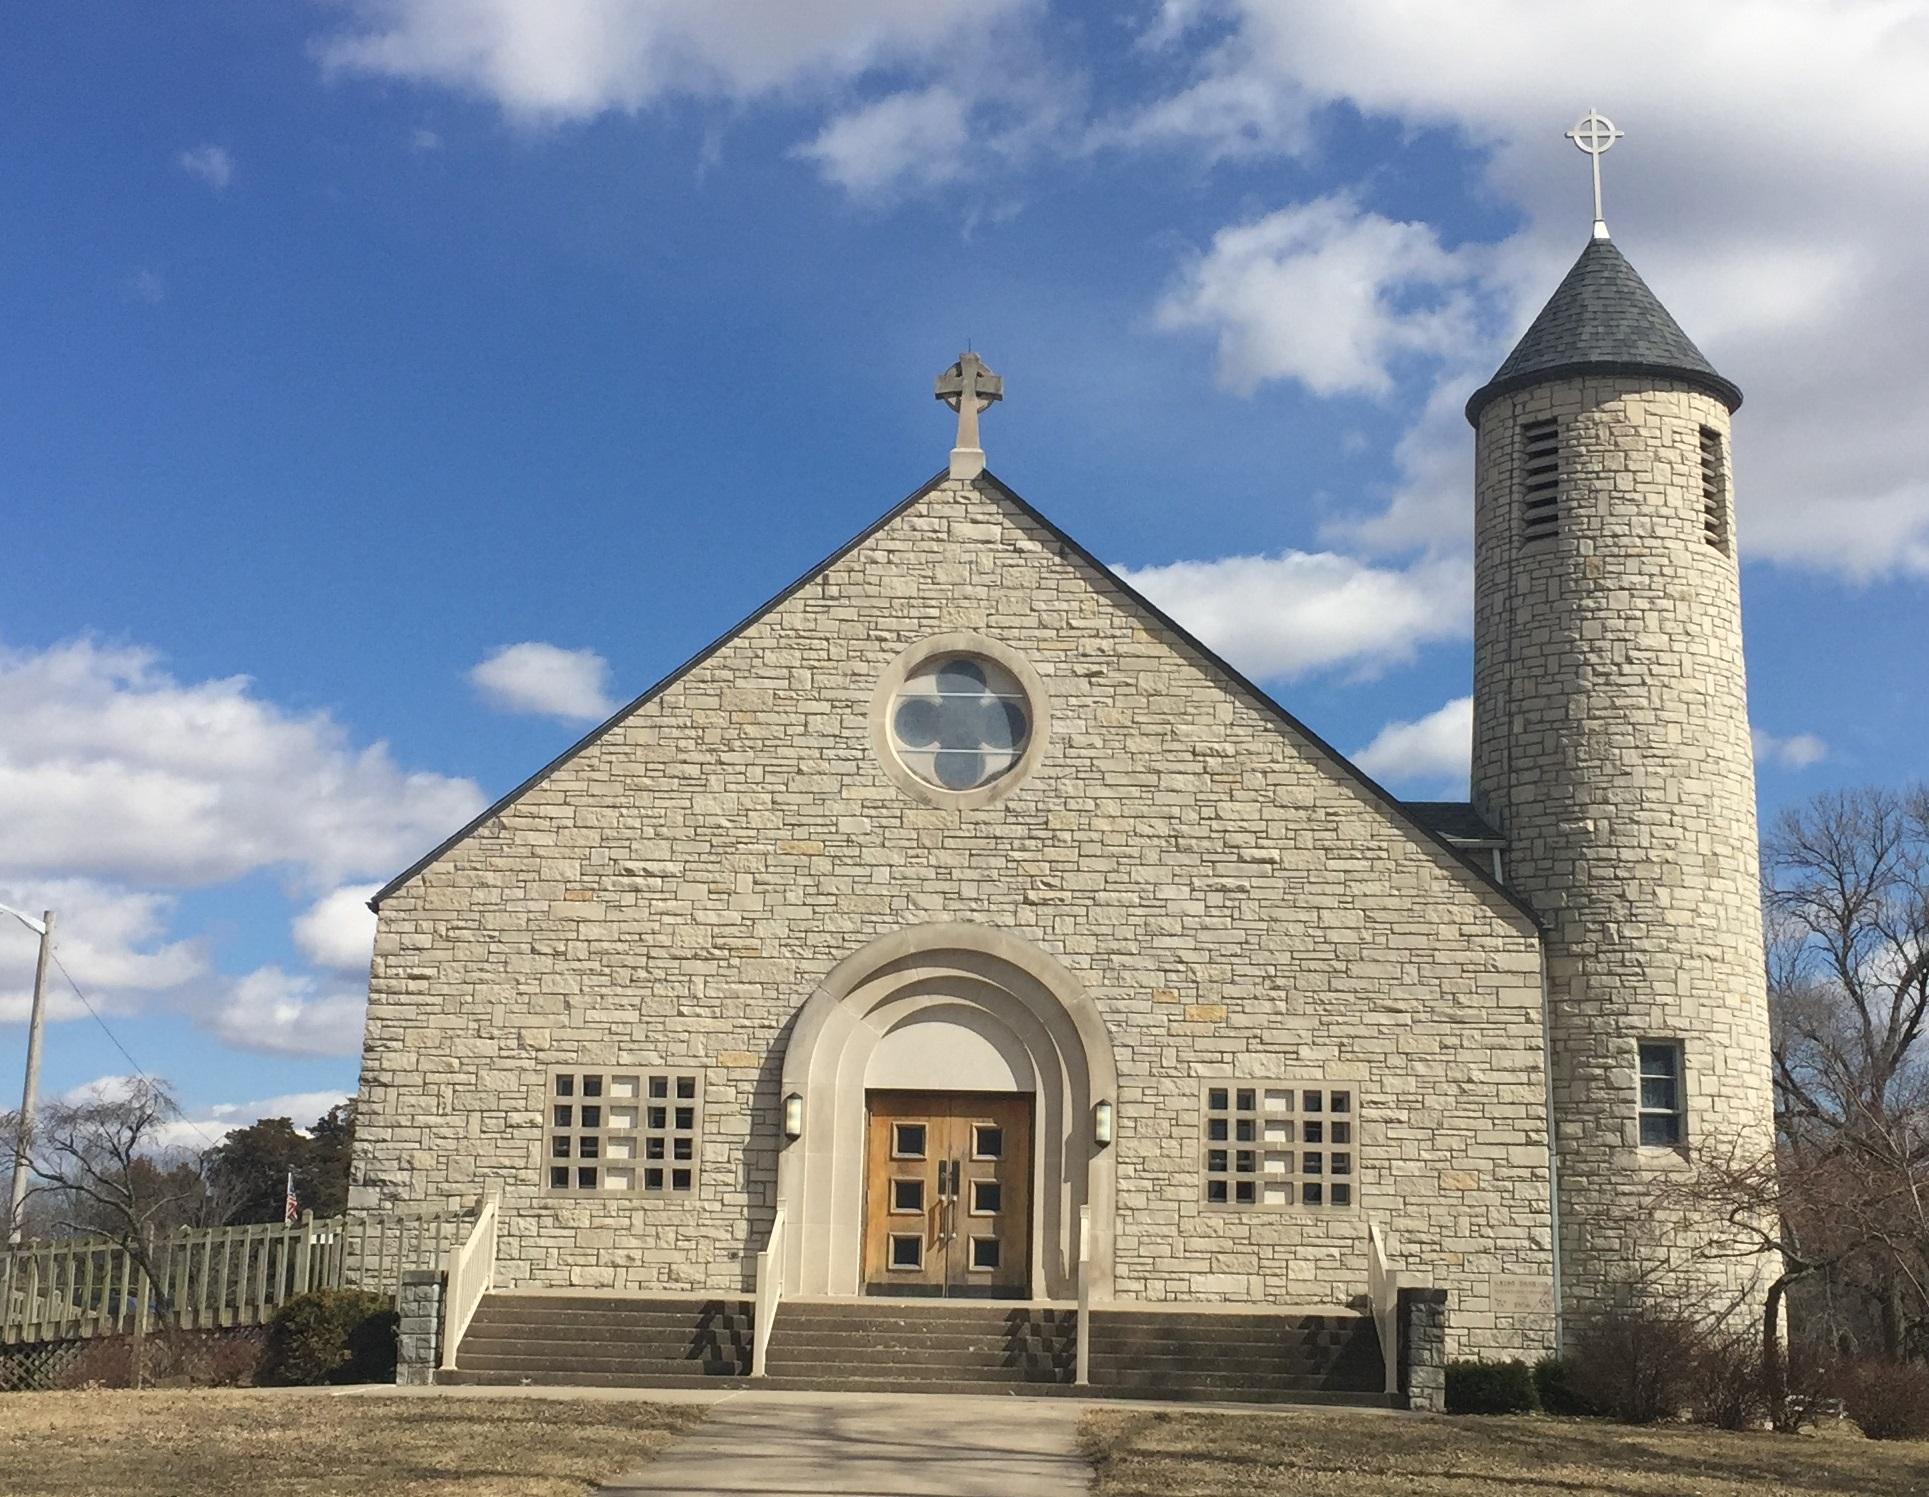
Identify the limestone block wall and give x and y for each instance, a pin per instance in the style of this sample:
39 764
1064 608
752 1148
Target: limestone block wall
1611 745
1236 902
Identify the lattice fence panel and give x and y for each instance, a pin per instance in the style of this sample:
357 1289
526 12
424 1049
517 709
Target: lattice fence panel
225 1357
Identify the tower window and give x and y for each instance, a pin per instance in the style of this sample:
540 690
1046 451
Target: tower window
1540 481
1714 490
1663 1117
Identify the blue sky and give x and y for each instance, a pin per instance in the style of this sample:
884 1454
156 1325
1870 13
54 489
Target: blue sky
350 344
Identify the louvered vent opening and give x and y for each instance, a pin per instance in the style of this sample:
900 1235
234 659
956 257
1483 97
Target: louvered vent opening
1714 490
1540 481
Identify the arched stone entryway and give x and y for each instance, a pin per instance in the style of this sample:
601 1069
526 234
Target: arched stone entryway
965 1007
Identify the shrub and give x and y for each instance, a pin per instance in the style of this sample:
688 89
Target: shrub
1637 1364
1888 1400
1728 1389
1554 1387
1482 1387
332 1336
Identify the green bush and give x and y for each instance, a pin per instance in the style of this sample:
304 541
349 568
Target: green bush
1887 1400
1482 1387
332 1336
1554 1387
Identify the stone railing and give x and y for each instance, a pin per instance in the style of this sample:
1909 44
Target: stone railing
1083 1375
769 1293
469 1272
1383 1289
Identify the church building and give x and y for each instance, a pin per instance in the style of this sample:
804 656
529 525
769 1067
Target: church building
959 926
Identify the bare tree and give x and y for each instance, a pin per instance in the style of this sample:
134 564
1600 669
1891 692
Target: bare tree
1846 899
102 1165
1808 1214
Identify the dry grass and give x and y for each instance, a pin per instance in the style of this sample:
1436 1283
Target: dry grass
302 1444
1351 1455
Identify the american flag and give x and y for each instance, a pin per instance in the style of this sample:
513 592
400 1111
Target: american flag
293 1212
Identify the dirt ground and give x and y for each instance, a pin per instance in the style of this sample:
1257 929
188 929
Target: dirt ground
1351 1455
314 1444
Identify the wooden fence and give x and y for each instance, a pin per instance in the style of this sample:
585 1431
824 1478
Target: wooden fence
208 1278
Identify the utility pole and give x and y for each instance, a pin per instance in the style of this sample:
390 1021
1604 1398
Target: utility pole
30 1090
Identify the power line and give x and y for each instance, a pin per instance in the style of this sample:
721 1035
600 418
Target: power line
126 1054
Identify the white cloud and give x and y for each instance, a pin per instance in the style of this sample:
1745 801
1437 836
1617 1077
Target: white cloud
1797 751
112 768
112 940
919 136
148 286
1327 294
424 139
213 164
575 59
547 681
338 930
1771 189
274 1012
1435 749
1275 617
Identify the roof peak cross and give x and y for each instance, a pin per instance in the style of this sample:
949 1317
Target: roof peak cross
968 387
1594 133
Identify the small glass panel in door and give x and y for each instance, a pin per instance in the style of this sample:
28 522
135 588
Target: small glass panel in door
947 1194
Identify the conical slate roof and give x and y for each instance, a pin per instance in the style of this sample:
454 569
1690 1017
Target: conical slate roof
1602 319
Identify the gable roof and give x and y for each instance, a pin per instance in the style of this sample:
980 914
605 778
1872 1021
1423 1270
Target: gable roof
1603 319
1456 820
1400 811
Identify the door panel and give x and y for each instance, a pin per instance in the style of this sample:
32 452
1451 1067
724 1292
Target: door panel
947 1201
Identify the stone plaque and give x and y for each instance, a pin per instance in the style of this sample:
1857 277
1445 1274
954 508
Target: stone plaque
1521 1294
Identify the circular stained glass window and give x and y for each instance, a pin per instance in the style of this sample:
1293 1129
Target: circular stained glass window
960 721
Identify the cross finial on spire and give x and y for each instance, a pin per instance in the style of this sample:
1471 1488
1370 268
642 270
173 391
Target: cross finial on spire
968 387
1594 133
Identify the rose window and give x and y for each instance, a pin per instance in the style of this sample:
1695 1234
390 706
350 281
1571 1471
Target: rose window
960 721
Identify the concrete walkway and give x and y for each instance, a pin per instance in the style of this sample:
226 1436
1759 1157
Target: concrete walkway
911 1445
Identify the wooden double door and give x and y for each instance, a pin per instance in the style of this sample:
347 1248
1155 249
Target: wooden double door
947 1194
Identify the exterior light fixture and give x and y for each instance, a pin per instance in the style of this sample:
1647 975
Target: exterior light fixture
794 1115
1102 1124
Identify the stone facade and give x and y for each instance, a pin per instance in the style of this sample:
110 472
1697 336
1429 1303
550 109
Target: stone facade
1236 901
1611 748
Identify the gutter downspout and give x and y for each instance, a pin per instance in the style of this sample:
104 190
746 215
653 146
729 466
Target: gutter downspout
1553 1150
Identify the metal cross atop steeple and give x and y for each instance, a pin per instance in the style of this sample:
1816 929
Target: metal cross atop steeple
968 388
1594 133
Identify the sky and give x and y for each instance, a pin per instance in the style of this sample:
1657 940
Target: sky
390 388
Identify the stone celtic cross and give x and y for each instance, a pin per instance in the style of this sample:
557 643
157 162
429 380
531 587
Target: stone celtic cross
968 388
1594 133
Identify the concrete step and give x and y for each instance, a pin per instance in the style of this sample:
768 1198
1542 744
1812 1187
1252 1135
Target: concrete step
537 1315
976 1356
572 1378
920 1372
660 1366
679 1304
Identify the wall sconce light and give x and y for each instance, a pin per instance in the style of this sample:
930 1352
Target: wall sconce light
794 1115
1102 1124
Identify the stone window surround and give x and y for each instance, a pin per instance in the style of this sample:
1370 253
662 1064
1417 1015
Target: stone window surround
1678 1149
1293 1115
958 642
638 1137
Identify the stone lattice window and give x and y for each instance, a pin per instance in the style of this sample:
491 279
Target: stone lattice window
960 721
1714 490
1274 1144
622 1132
1540 481
1664 1120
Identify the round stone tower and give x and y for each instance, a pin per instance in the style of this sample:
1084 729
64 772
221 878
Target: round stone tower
1611 750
